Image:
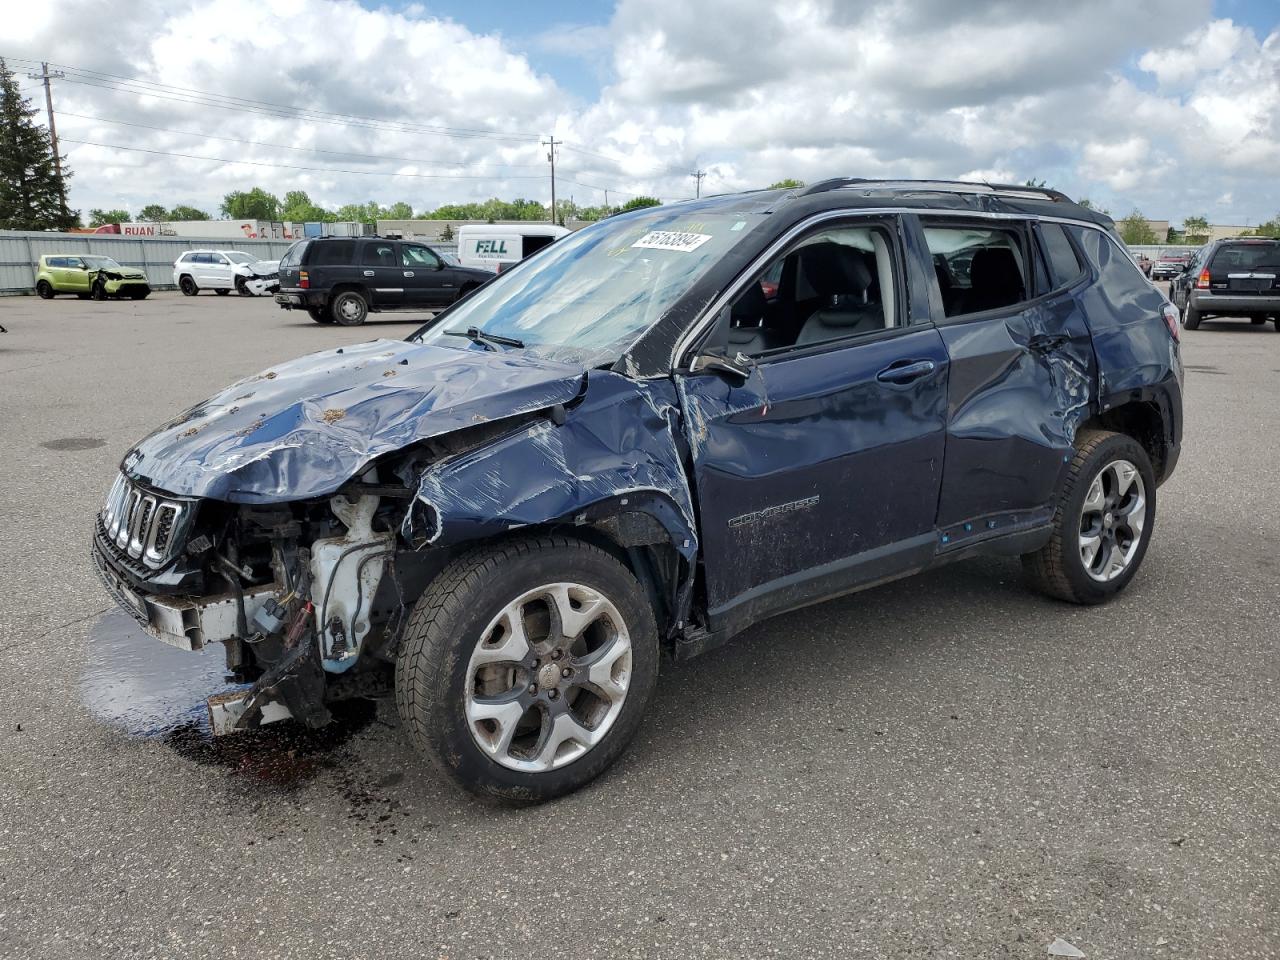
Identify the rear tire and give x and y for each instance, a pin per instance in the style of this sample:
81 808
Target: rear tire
498 622
44 290
320 314
188 286
1190 316
349 308
1102 523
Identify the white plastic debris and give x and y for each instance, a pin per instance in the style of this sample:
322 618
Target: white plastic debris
1060 948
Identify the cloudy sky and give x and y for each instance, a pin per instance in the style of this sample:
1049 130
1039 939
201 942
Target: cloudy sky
1170 106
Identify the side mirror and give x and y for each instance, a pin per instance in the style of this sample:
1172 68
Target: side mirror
737 367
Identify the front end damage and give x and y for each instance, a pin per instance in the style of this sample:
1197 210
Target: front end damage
300 540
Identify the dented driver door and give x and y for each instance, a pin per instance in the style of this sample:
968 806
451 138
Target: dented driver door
819 472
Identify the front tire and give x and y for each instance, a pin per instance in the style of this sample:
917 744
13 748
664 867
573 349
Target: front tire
188 286
526 667
1102 524
44 290
99 290
242 287
349 308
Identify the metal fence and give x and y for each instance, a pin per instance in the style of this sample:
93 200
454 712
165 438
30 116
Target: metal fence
20 252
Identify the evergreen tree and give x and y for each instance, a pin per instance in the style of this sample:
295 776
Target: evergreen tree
31 195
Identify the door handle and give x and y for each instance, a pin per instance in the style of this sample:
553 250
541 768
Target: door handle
408 273
904 371
1046 342
368 273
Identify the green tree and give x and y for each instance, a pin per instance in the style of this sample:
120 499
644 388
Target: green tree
32 197
1134 229
98 218
182 212
789 183
1268 228
255 204
361 212
153 213
639 203
399 211
1038 184
1196 229
299 208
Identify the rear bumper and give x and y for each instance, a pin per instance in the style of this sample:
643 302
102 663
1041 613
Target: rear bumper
1245 303
299 299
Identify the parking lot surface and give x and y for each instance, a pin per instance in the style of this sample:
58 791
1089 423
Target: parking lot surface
947 766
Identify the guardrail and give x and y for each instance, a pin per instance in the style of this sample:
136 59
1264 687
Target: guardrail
20 252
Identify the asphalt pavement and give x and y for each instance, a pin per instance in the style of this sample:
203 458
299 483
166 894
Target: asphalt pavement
945 767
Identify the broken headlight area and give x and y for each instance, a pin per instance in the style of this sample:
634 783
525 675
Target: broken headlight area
307 598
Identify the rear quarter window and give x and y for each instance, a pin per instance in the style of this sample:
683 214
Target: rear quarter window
1063 262
333 253
293 256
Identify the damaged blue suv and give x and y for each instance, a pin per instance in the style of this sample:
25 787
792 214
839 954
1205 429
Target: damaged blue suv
665 428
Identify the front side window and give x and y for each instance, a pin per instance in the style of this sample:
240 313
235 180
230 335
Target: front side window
979 268
413 255
835 283
587 297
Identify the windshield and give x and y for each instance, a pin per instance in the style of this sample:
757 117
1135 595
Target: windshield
236 257
101 263
587 297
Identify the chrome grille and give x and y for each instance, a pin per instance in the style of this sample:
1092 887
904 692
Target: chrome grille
141 524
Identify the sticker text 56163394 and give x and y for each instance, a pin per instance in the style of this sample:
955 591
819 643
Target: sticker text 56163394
672 240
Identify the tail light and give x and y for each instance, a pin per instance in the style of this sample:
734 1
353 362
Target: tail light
304 280
1202 283
1170 313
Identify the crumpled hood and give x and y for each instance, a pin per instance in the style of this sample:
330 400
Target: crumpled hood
264 268
303 428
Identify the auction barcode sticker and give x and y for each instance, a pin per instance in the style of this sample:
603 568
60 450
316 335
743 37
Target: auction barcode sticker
672 240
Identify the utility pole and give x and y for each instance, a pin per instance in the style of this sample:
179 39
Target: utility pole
552 142
45 76
698 175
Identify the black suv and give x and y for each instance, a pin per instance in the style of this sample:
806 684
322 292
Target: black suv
1231 278
342 279
662 429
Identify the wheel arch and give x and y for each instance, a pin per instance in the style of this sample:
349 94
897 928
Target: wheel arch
1149 419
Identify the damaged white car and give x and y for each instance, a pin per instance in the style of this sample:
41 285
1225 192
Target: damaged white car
225 270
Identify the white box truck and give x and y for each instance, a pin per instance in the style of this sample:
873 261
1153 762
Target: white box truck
496 246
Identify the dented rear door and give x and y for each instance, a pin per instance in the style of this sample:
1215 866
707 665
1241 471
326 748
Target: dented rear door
1022 380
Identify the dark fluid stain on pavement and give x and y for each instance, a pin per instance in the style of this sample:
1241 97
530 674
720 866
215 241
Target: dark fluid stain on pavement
74 443
150 690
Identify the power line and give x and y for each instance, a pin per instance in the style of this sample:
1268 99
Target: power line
163 91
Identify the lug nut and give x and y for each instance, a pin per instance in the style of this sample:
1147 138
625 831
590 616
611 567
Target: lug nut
533 688
566 673
553 694
556 654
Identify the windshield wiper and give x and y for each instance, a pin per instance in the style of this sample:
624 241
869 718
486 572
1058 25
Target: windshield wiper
476 335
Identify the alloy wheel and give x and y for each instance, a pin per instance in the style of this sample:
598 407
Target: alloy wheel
1111 521
548 677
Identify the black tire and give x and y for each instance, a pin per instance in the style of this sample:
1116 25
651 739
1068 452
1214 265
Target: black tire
188 286
99 289
1257 321
82 296
320 314
1190 316
447 623
1276 322
1058 568
242 287
349 308
44 290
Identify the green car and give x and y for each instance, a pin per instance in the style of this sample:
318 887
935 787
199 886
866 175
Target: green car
89 276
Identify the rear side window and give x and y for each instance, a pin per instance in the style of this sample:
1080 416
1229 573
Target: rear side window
1063 262
380 255
293 256
1247 256
333 253
979 268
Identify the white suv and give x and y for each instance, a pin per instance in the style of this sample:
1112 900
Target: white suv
223 271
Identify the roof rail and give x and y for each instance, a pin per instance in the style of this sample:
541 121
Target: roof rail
937 186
